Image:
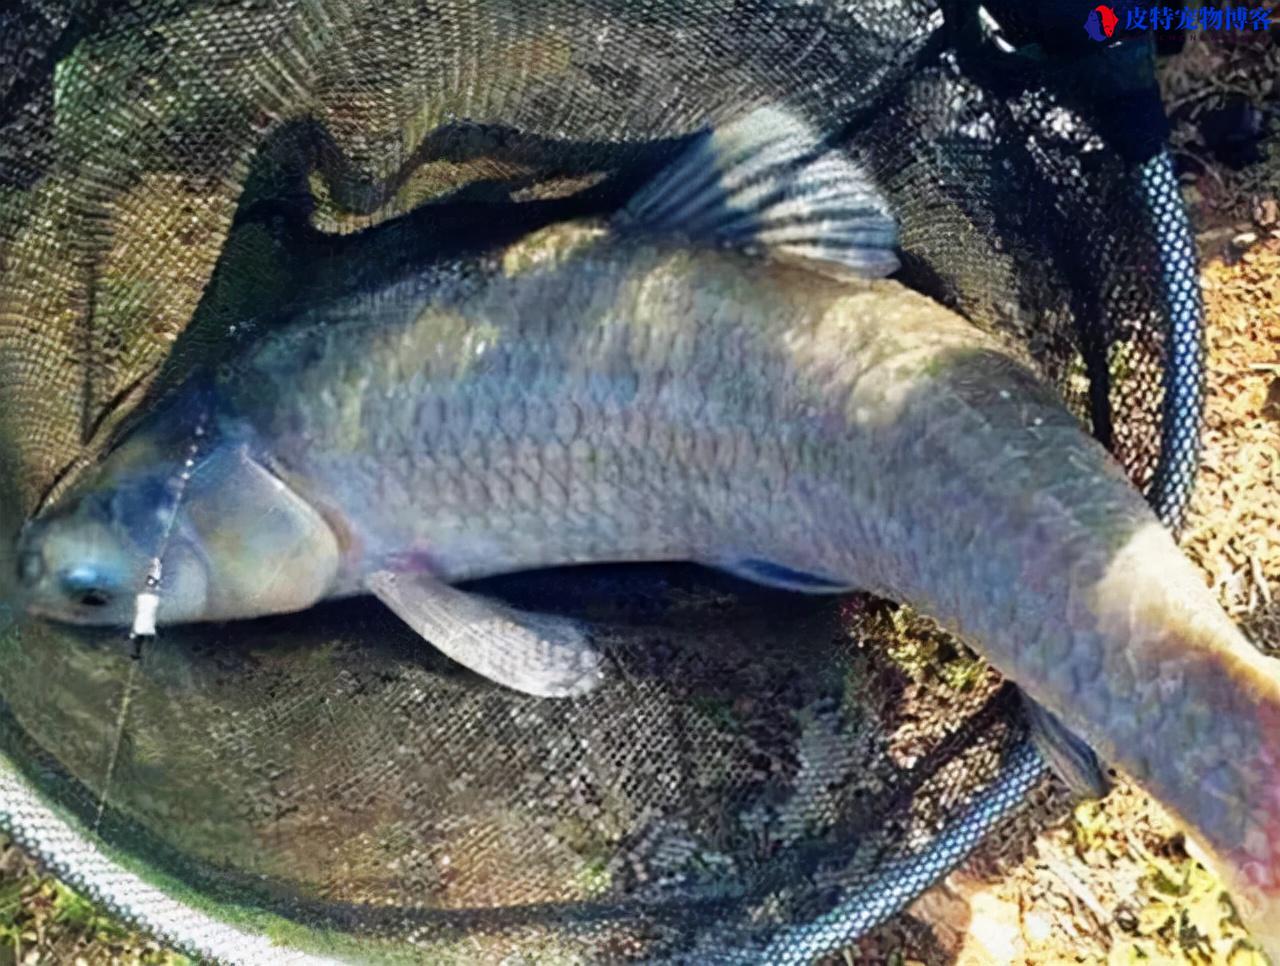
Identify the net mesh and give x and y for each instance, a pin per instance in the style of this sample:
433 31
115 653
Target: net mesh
769 774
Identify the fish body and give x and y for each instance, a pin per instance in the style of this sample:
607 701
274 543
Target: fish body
595 394
699 406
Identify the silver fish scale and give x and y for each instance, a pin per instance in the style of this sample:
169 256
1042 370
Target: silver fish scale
579 410
602 421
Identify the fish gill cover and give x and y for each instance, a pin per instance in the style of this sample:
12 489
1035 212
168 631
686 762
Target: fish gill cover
167 170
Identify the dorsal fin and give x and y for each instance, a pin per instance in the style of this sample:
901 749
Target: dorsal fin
766 183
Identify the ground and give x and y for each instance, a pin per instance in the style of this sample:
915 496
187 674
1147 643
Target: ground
1112 883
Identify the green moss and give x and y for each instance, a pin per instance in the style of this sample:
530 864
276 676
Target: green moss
922 649
718 711
43 920
594 878
1121 365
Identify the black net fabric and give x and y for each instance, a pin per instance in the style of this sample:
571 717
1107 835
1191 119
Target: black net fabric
771 775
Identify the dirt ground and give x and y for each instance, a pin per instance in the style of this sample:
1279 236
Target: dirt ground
1112 883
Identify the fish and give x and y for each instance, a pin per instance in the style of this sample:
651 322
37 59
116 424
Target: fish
721 372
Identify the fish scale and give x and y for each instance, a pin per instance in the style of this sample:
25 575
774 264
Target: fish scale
472 396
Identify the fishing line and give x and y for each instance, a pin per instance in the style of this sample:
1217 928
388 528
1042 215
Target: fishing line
122 721
146 604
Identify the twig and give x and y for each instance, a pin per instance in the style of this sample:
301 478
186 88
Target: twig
1220 90
1260 579
1079 890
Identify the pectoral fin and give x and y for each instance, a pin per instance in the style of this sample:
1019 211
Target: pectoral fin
1069 756
777 575
768 183
538 654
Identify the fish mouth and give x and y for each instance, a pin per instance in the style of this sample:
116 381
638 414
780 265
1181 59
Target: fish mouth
78 617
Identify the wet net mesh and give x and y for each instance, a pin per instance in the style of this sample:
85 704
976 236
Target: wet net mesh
769 775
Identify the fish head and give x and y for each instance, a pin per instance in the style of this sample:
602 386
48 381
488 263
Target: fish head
86 561
227 539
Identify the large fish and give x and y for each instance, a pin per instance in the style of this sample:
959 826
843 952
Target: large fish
688 381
